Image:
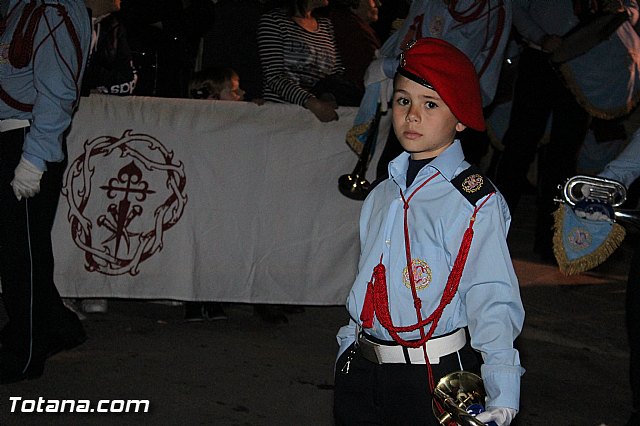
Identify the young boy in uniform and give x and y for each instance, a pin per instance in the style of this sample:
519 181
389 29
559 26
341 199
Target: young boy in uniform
434 261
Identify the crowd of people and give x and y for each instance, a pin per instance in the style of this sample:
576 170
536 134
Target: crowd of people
435 65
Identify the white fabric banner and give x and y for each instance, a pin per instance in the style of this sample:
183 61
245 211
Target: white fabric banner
206 200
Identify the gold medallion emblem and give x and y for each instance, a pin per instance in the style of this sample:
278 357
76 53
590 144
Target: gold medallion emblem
472 183
421 274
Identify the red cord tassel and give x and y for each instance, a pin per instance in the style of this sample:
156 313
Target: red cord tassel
366 316
380 303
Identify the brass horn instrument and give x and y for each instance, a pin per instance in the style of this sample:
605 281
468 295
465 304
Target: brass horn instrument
355 184
608 191
456 393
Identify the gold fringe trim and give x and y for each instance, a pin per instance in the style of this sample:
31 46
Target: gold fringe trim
605 114
590 261
352 137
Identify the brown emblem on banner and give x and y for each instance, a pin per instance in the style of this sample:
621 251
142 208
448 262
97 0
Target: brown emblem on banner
123 195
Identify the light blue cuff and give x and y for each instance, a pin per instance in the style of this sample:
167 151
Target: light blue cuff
36 161
346 336
502 384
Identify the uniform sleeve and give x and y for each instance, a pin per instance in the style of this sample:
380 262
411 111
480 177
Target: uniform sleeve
626 166
483 41
494 310
525 25
346 336
57 72
270 48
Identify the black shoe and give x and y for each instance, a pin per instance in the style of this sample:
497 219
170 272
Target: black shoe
270 314
65 343
193 312
213 311
67 334
10 375
11 368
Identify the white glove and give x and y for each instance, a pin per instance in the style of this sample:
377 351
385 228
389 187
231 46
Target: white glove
26 179
503 416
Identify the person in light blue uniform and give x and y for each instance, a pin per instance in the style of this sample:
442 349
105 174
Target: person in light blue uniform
542 99
434 261
44 49
625 168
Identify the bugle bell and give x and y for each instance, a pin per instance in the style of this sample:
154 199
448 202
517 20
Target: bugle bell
355 184
456 396
608 191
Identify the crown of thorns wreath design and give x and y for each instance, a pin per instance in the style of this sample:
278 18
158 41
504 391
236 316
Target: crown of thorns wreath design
78 187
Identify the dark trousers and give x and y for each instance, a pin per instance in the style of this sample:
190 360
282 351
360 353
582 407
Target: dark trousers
539 93
37 317
391 394
633 325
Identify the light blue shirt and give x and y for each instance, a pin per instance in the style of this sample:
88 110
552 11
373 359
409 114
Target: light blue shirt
51 81
488 298
535 19
625 167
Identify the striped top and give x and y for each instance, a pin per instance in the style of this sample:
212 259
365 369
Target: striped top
294 59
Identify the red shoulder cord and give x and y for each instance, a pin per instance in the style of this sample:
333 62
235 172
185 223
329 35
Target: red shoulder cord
473 13
22 49
376 302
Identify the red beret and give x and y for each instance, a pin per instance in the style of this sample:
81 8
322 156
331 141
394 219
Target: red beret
438 65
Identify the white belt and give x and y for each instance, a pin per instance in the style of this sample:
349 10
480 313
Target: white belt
397 354
12 124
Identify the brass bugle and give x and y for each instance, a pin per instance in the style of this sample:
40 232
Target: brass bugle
608 191
355 184
455 393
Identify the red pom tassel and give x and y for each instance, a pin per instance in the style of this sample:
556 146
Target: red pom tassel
366 316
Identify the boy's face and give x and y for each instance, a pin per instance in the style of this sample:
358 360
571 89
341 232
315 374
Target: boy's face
232 91
423 123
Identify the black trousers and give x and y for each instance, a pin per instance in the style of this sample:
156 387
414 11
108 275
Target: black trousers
37 317
539 94
391 394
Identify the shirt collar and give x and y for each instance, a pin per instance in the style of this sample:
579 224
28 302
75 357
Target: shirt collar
447 163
